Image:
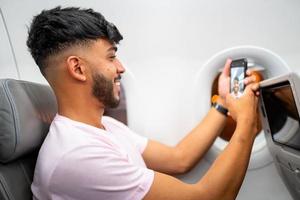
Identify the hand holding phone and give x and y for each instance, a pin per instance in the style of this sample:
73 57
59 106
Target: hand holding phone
238 70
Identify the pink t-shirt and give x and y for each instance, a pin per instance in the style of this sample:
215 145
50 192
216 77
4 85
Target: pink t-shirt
79 161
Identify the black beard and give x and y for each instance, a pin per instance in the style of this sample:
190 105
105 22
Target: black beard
103 91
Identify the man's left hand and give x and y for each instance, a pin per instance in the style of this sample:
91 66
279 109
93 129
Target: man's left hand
224 79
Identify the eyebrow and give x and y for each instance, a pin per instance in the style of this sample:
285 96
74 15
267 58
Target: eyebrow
113 48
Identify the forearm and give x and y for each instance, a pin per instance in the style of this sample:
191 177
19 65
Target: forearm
193 146
228 171
182 157
223 179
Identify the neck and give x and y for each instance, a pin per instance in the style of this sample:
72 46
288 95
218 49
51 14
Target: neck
86 112
76 102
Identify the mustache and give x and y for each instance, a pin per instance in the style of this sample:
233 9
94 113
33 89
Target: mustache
118 78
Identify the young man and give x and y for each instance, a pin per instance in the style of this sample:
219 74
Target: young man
88 156
236 88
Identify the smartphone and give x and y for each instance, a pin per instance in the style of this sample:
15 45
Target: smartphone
238 70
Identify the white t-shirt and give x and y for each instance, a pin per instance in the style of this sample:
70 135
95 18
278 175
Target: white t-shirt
82 162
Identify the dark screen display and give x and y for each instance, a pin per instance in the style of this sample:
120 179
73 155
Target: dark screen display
282 114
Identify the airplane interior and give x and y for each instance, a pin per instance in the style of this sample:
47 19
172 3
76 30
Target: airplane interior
173 52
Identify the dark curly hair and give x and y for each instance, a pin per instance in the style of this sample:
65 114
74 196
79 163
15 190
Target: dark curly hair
54 30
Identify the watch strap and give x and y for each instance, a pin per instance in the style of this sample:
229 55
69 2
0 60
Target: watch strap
220 109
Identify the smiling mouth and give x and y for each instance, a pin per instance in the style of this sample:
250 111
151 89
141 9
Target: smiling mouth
117 80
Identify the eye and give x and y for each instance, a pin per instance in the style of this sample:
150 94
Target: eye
112 57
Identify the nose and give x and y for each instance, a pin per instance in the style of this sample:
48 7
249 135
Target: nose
120 68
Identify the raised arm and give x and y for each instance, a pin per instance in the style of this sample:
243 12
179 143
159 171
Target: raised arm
224 178
182 157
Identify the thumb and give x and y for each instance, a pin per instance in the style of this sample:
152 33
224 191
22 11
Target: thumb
226 69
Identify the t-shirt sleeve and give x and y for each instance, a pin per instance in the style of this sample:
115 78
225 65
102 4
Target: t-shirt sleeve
139 141
100 173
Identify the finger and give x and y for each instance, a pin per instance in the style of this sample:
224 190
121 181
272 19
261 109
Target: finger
249 72
256 101
226 69
250 79
249 89
254 87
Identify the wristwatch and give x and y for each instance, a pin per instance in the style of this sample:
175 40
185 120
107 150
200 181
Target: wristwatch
220 109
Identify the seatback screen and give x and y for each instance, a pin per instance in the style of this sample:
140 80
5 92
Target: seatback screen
282 114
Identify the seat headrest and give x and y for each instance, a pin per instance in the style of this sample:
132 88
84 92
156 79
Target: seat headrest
26 111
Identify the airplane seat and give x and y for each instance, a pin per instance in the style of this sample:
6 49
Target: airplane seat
26 111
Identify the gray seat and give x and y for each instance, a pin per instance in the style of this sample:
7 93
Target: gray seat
26 111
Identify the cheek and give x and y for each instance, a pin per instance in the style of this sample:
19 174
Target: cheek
110 71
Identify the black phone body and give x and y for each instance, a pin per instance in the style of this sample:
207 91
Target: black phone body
238 70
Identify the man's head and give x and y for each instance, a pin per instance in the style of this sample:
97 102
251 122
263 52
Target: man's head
75 48
236 86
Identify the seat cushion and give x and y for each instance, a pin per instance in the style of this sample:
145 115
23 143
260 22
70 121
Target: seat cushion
16 178
26 111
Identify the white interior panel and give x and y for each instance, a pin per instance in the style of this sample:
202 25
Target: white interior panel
166 44
7 63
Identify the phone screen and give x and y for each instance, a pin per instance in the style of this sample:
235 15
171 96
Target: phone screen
237 75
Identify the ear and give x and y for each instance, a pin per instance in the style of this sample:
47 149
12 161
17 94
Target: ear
76 68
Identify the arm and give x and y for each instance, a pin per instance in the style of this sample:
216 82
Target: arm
189 150
182 157
224 178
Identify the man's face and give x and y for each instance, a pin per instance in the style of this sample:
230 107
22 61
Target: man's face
104 91
236 86
106 72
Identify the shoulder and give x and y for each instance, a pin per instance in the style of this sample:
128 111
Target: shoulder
113 122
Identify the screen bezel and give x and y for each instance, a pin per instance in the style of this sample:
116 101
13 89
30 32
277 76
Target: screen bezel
264 112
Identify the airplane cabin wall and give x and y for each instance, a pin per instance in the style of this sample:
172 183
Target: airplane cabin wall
165 44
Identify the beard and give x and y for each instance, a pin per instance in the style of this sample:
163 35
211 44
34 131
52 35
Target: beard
103 90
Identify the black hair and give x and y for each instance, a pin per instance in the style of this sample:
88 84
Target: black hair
54 30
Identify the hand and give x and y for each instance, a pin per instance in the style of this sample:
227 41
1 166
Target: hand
244 109
224 79
252 77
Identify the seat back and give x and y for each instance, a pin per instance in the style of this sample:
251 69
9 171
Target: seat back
26 111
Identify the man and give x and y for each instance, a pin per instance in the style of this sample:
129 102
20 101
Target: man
236 87
88 156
